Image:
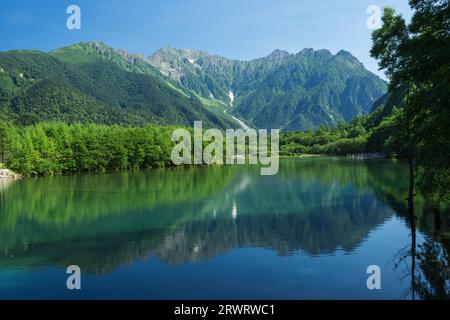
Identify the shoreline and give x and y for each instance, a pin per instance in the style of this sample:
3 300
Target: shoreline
6 174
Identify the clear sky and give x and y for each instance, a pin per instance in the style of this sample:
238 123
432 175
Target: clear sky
238 29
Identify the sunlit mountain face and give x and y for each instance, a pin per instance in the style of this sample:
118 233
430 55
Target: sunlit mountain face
92 82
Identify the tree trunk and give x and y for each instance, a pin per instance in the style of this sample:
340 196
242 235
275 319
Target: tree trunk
411 187
412 225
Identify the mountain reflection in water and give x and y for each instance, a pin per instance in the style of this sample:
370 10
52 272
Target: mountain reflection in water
312 208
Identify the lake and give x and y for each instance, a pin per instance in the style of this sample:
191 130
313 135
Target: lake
309 232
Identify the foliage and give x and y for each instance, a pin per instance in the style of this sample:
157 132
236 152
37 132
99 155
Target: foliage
57 148
345 138
415 56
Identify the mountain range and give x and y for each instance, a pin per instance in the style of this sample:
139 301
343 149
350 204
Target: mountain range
92 82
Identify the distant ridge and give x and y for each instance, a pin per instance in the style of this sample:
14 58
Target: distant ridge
92 82
282 90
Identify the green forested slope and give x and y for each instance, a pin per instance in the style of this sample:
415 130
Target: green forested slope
287 91
77 85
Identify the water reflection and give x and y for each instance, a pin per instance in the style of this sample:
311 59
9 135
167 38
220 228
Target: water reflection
313 207
428 263
5 183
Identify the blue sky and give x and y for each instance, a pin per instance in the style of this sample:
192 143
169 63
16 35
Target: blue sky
239 29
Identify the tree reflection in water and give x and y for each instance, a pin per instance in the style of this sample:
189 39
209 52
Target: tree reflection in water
320 207
428 264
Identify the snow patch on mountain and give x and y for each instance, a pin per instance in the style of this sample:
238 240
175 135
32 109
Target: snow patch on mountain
194 63
231 96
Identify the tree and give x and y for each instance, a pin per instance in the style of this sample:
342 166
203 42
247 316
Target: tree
4 142
415 56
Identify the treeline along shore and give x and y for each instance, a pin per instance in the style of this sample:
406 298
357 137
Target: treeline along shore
58 148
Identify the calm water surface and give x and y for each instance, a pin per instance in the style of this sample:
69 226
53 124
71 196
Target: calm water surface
309 232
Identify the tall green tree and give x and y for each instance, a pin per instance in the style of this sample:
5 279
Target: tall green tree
416 56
